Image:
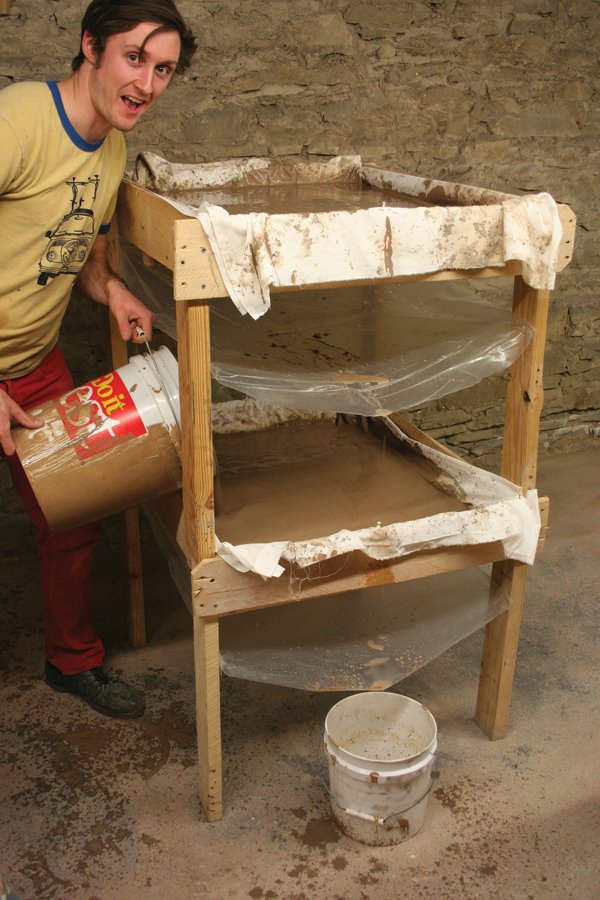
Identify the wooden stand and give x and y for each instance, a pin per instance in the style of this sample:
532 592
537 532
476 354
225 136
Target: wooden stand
165 235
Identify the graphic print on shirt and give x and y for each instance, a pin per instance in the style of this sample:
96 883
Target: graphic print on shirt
70 241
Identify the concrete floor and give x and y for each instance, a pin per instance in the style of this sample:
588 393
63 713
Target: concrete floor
98 809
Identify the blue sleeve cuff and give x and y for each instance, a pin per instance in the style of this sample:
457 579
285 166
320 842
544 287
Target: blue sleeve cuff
104 229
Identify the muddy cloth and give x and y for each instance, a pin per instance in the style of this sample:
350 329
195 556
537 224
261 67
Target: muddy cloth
346 489
65 559
257 250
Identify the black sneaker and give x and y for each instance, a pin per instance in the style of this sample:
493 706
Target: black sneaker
105 693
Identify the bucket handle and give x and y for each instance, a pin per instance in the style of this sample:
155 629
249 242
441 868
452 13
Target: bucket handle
379 820
142 335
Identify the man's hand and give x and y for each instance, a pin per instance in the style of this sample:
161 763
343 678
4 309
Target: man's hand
98 282
129 312
11 410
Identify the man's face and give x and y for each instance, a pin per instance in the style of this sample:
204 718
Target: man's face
125 84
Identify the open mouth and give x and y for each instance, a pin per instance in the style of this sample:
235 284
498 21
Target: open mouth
132 104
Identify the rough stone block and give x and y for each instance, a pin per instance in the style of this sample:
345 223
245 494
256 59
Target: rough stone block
590 122
554 399
553 422
326 33
449 99
468 437
490 418
380 19
585 317
489 152
548 121
537 7
438 433
590 349
340 111
574 91
442 418
534 48
556 359
524 23
559 322
489 392
574 382
586 396
231 123
581 9
484 447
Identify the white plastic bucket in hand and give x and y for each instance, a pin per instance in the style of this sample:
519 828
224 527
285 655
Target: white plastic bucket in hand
106 446
382 752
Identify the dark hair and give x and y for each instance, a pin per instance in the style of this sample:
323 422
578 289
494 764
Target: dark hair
103 18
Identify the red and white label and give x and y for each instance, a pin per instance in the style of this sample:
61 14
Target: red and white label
99 415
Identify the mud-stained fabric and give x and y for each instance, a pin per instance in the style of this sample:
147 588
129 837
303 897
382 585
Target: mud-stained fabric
468 229
315 491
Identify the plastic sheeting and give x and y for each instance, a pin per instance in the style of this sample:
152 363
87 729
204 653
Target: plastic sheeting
362 350
364 640
365 350
360 641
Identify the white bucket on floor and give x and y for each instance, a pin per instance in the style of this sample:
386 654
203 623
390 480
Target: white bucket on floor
382 752
106 446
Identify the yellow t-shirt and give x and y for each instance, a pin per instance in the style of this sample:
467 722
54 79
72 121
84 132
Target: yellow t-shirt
57 193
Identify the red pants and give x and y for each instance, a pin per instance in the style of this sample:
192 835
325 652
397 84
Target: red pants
65 559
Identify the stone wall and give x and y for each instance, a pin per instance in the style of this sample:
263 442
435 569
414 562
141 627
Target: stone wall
501 94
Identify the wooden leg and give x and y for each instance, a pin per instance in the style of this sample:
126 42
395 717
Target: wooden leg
130 528
500 653
519 464
132 571
208 715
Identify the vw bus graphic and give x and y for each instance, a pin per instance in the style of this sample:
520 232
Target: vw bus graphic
70 241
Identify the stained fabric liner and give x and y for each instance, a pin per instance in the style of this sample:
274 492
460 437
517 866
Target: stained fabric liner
365 640
362 350
489 507
496 510
259 250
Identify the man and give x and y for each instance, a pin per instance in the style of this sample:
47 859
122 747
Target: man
61 161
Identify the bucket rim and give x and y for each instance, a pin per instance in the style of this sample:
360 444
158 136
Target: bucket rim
403 760
163 402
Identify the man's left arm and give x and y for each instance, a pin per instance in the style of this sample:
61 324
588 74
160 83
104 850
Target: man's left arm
98 282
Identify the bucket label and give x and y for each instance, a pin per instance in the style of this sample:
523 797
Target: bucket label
99 415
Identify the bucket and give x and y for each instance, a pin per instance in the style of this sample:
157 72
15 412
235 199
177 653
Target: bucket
382 753
106 446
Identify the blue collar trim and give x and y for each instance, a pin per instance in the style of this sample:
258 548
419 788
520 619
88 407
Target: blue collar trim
66 124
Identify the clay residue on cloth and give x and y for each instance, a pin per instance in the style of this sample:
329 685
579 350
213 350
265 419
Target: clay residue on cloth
304 481
159 174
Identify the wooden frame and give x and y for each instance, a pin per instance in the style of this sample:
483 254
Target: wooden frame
180 243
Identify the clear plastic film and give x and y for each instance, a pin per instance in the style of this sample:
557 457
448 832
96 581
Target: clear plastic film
361 641
358 350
